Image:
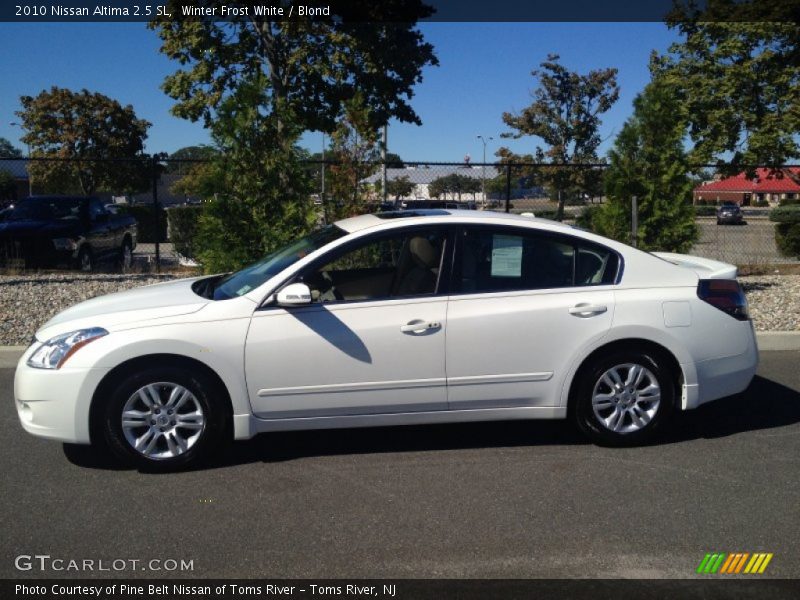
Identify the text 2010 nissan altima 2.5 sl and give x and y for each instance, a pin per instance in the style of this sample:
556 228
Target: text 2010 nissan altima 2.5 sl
397 318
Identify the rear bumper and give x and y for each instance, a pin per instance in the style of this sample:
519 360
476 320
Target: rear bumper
721 377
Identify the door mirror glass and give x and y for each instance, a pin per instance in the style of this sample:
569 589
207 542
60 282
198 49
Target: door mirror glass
294 294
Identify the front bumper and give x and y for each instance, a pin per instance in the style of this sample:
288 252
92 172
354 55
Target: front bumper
728 218
55 403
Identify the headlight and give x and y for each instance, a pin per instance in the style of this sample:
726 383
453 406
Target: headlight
65 244
54 352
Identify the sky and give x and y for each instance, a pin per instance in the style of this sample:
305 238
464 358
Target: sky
484 71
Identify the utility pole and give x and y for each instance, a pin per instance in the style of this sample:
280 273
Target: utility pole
483 168
383 159
322 183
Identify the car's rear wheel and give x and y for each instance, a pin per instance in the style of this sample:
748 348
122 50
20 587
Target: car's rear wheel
164 418
623 398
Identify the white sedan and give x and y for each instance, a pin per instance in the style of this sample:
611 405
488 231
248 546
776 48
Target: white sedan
396 318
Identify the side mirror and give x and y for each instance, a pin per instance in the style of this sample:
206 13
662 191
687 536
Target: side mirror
294 294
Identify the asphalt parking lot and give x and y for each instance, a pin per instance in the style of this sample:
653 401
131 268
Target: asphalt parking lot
472 500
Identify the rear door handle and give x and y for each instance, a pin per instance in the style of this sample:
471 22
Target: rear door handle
420 326
584 309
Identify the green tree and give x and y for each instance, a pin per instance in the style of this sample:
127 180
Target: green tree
400 187
183 159
648 161
8 188
94 141
454 185
355 151
737 70
565 115
258 84
8 150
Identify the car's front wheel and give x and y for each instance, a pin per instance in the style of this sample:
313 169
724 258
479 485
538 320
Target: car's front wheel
85 260
126 255
164 418
623 398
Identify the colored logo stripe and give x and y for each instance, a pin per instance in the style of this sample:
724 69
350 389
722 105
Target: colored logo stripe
734 563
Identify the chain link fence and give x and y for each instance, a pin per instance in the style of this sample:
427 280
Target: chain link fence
156 185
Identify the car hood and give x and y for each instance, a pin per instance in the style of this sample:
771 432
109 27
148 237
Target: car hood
137 306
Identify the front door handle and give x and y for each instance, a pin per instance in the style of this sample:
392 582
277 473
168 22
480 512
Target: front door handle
584 309
420 326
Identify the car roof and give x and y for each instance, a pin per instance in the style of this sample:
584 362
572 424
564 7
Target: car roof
439 215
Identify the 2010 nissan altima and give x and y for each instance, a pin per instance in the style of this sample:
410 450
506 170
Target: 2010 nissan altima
395 318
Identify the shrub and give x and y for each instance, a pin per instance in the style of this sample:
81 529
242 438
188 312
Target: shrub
787 229
787 202
546 214
705 211
761 202
183 225
787 238
145 217
587 217
785 214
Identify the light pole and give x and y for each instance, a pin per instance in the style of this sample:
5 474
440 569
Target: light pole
485 141
30 182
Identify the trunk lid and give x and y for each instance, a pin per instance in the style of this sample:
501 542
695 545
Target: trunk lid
706 268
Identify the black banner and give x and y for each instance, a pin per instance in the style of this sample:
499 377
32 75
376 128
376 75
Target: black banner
400 589
363 10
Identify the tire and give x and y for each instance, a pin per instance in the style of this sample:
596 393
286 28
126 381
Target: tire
624 415
719 222
126 255
152 438
85 260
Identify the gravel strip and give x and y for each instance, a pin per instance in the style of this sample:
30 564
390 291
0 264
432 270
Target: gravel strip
27 301
774 301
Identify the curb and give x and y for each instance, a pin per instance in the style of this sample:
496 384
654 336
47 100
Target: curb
768 341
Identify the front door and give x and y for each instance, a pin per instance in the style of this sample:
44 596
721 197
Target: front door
372 341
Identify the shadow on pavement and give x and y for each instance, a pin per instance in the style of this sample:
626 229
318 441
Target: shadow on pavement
764 405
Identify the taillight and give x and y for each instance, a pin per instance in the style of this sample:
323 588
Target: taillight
726 295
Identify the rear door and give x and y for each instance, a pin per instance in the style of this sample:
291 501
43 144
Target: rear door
523 301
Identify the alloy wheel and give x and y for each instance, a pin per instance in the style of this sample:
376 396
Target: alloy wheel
162 420
626 397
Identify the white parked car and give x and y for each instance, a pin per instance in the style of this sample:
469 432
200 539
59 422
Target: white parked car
395 318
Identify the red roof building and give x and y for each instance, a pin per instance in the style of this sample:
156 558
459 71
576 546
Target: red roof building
767 185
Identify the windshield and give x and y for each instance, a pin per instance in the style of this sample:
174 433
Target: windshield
45 209
249 278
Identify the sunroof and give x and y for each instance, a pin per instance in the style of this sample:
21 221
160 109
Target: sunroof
402 214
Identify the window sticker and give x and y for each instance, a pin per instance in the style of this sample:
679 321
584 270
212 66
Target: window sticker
506 256
243 290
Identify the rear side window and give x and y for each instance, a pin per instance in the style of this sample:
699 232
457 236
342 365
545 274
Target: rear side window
506 259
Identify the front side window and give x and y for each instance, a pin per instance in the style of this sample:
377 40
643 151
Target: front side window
496 260
390 266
